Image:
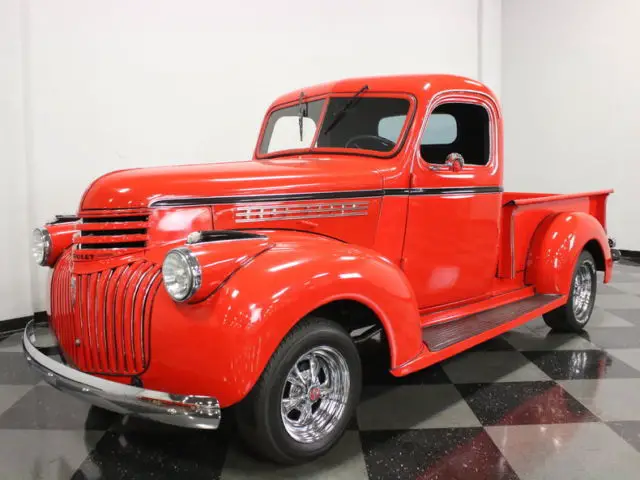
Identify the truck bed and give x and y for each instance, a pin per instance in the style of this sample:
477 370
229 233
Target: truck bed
523 212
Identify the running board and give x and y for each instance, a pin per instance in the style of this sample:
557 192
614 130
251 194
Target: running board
442 335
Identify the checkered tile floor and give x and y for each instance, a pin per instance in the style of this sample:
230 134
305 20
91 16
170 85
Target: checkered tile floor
528 405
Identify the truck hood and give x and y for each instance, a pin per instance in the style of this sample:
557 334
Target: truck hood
140 187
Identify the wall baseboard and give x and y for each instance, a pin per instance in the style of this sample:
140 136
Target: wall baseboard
16 324
631 256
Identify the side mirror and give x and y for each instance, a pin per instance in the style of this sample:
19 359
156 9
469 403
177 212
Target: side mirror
454 161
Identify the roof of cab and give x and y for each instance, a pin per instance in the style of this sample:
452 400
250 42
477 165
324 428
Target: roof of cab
413 84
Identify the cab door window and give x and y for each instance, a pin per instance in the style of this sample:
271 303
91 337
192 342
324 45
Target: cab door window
457 128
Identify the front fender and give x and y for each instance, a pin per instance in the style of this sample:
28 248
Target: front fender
225 342
555 247
284 284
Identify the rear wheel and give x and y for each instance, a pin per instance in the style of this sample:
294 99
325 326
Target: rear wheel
306 395
574 315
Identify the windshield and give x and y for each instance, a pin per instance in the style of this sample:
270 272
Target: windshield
367 123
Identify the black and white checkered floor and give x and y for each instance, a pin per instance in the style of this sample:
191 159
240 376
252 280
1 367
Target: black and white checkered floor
528 404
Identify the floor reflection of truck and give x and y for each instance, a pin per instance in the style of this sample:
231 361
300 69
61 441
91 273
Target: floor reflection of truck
479 458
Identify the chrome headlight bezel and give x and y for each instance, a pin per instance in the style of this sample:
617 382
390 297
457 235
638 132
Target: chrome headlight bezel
40 247
192 270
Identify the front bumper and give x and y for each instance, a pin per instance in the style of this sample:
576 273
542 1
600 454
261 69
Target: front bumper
193 411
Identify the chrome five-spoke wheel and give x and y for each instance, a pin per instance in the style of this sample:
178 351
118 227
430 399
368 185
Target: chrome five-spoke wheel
583 291
315 394
574 315
306 394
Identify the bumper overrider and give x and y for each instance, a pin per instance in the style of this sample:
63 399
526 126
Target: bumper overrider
193 411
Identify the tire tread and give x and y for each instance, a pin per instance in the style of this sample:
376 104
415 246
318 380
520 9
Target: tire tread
254 430
562 319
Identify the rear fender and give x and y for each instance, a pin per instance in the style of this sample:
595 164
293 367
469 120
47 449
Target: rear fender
555 247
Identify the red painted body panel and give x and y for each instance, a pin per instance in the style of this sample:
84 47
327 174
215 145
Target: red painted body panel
555 247
236 330
495 299
457 260
427 358
219 261
383 229
61 237
525 214
307 216
313 173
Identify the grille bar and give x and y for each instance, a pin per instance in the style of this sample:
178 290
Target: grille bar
102 320
149 293
112 246
112 230
105 232
110 238
97 218
62 320
110 316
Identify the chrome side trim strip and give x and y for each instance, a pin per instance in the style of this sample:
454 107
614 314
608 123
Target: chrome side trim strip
206 236
278 197
63 219
343 195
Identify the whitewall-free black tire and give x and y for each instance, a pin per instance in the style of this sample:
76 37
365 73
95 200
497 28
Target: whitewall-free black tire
574 315
306 395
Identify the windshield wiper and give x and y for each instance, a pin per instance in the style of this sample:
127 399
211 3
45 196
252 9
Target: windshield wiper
340 114
302 112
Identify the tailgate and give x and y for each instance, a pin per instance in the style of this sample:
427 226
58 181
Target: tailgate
522 213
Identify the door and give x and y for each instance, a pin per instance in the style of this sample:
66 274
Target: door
451 245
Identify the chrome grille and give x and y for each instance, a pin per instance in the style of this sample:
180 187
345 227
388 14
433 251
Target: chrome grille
102 319
112 230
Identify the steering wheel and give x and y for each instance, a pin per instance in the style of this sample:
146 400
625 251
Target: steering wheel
384 142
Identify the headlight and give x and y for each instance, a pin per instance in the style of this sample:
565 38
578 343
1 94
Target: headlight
181 273
40 245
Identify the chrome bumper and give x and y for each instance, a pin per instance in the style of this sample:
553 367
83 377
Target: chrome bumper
191 411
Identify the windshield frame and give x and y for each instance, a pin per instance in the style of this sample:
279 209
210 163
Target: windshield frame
321 124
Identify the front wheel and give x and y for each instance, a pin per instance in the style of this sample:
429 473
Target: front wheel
306 395
574 315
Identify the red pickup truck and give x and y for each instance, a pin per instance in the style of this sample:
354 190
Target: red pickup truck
371 206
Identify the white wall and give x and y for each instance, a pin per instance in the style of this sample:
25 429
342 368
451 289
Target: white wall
490 44
15 287
571 102
91 86
128 83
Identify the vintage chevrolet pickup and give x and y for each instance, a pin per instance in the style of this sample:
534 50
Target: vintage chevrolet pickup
372 206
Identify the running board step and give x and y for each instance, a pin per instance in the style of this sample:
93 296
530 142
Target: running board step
443 335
